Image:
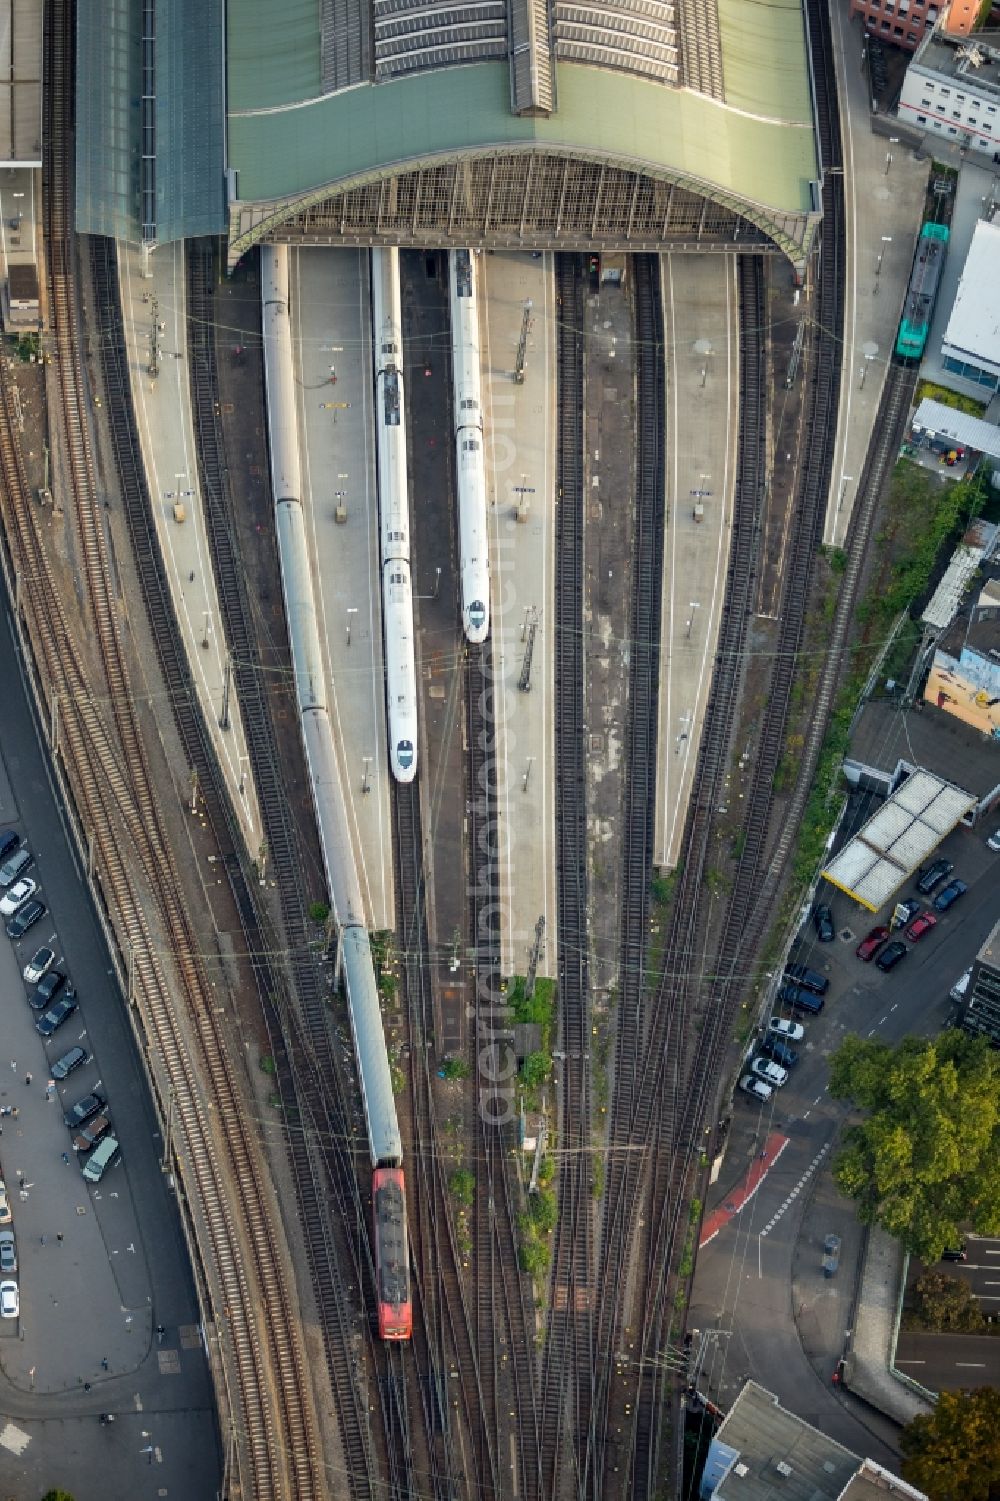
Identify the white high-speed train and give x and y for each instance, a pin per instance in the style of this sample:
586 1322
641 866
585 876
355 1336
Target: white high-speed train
473 533
394 516
384 1140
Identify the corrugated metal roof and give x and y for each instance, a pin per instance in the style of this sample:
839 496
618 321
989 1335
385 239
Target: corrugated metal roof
898 838
370 1047
958 427
764 58
21 83
978 543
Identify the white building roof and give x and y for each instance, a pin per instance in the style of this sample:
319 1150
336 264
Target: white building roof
958 427
974 326
897 839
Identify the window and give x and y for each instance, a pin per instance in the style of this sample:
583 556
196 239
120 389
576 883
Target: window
960 98
956 114
921 119
897 31
952 131
926 103
991 109
944 92
911 36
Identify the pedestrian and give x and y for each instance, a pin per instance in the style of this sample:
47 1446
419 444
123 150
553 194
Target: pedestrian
104 1363
43 1240
13 1065
27 1078
15 1112
86 1386
59 1237
66 1158
20 1180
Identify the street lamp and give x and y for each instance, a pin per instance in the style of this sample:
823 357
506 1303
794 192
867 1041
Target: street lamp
352 611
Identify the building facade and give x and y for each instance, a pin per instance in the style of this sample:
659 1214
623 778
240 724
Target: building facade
952 90
979 1011
902 22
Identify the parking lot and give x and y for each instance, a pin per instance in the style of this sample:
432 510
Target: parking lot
105 1323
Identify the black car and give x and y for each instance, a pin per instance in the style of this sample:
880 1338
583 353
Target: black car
955 1253
46 990
68 1062
83 1110
934 875
949 894
9 842
24 918
54 1019
823 923
808 978
773 1047
800 999
891 955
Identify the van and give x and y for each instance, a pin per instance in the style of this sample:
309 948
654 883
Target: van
9 842
810 979
800 1000
92 1132
14 864
100 1159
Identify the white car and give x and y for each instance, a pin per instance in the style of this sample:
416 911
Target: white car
787 1031
9 1304
5 1214
772 1073
17 895
994 840
760 1091
39 964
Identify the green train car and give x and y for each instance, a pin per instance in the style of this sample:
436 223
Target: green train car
921 294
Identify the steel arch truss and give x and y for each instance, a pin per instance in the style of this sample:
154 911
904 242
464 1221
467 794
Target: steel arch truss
532 198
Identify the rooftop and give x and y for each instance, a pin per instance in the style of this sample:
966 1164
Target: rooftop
958 427
20 83
872 1483
946 601
887 734
951 57
766 1436
974 326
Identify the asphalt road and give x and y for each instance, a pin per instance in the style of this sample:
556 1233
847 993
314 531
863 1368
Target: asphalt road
98 1268
948 1361
759 1286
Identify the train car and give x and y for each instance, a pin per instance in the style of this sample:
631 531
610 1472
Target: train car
384 1141
921 294
394 516
392 1256
473 532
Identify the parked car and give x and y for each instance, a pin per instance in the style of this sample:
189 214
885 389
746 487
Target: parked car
756 1088
101 1159
40 962
993 842
906 911
15 896
921 925
891 955
8 1252
5 1214
10 1305
934 875
955 1253
68 1062
872 942
47 989
823 923
9 842
798 999
24 918
810 979
787 1031
949 894
92 1132
773 1047
54 1018
772 1073
15 865
83 1110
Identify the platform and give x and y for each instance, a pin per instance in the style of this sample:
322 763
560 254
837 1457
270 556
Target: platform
20 242
520 469
331 344
157 301
884 188
701 333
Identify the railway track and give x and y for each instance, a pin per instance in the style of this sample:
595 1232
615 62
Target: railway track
566 1381
218 1159
505 1318
444 1342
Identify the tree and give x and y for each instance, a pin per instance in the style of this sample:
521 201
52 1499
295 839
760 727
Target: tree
462 1185
927 1157
943 1303
536 1069
953 1453
57 1496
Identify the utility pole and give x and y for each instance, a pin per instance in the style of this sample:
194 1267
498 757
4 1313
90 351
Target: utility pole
536 949
524 681
522 344
226 685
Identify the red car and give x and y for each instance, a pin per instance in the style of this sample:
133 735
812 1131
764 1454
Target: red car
921 925
869 947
